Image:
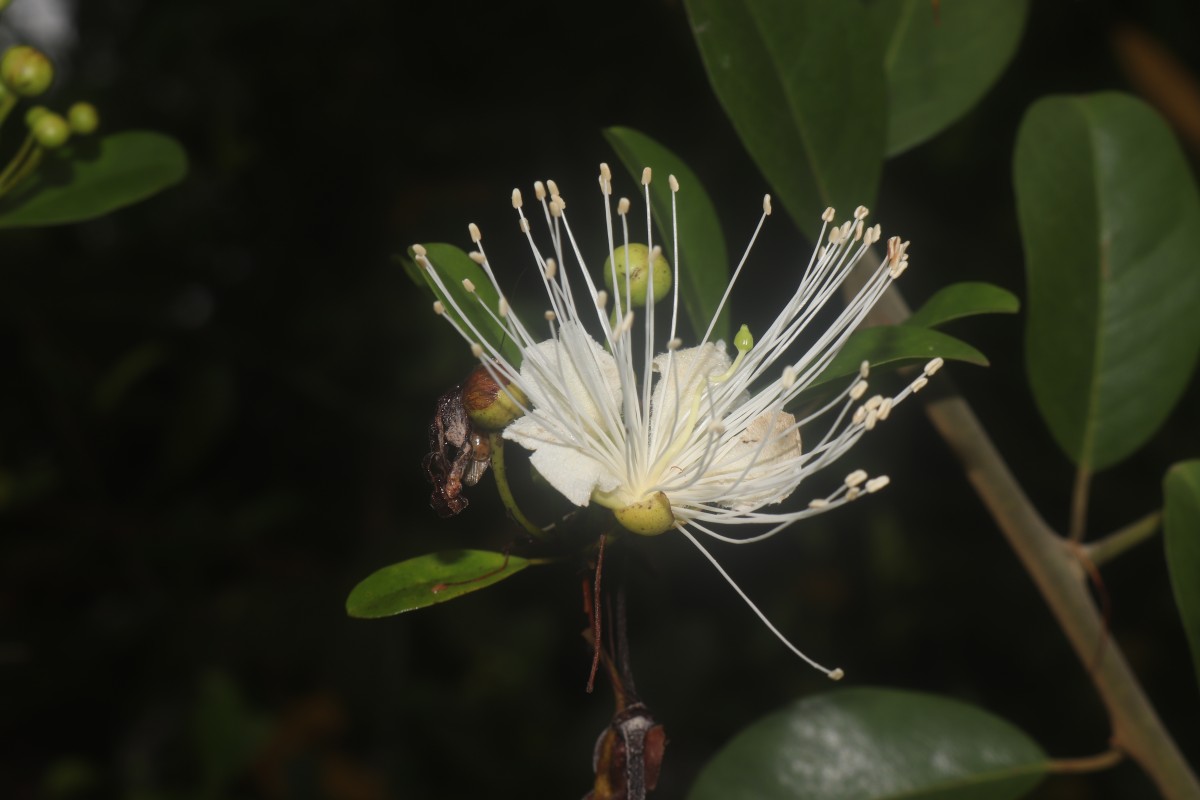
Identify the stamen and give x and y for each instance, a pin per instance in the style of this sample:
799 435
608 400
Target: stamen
645 176
858 390
861 213
469 285
516 198
920 383
553 187
476 349
828 215
864 369
855 478
933 366
502 307
875 484
602 299
438 307
674 184
551 269
767 204
550 316
475 234
478 257
539 190
418 250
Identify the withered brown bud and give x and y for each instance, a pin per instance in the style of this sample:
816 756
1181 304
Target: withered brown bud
489 406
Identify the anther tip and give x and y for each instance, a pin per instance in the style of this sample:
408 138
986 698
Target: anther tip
516 198
767 204
645 176
836 674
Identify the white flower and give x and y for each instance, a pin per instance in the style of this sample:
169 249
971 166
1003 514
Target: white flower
689 439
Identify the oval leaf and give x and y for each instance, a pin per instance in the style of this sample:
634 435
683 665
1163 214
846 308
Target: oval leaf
94 178
429 579
940 59
966 299
703 263
872 744
1109 216
454 266
798 82
1181 532
897 345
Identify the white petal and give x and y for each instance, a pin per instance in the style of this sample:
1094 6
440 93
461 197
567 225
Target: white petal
676 390
774 471
575 474
571 376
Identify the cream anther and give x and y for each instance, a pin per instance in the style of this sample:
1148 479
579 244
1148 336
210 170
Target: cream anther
874 402
818 503
858 389
551 269
856 477
539 190
475 234
919 384
872 418
556 206
828 215
836 674
422 262
674 184
418 250
438 308
835 236
553 187
605 172
767 204
516 198
675 343
789 377
550 316
860 414
860 213
623 206
645 176
875 484
601 299
502 307
847 226
933 366
853 494
478 257
871 236
716 427
469 285
655 252
885 408
476 350
524 225
864 369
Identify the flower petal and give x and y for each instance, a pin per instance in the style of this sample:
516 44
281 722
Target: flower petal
573 473
683 377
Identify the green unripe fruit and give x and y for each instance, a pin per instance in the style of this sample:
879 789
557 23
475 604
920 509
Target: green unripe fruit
648 517
34 114
26 70
83 118
489 405
51 131
636 259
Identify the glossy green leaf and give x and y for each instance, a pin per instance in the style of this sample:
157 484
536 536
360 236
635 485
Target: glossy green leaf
1181 531
454 266
800 81
1109 215
965 299
429 579
874 744
703 263
940 59
897 345
95 177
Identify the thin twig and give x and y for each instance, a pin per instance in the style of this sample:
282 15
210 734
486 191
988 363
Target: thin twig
1104 550
1101 761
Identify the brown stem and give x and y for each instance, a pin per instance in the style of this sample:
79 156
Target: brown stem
1106 760
1137 730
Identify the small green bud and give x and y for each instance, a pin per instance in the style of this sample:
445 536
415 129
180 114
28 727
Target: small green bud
744 340
51 131
648 517
488 405
83 118
636 258
26 70
34 114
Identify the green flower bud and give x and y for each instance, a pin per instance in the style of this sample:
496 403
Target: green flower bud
743 340
490 407
83 118
648 517
51 131
34 114
636 258
26 70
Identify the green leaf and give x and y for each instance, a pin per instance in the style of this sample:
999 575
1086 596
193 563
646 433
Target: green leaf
941 59
93 178
897 345
1181 532
429 579
1109 215
872 744
802 84
703 263
453 266
965 299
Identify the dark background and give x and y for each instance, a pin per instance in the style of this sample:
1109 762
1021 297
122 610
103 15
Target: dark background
213 410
